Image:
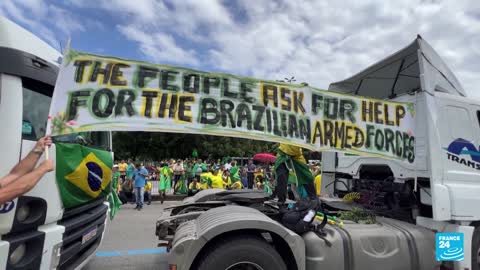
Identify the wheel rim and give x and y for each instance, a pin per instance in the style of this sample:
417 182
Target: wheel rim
244 266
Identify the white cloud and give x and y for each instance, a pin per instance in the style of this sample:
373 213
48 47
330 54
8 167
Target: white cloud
158 46
64 20
321 42
316 41
48 21
37 7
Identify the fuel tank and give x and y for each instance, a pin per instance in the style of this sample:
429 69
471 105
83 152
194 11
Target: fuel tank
388 244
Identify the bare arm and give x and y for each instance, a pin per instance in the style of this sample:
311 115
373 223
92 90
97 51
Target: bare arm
27 164
24 183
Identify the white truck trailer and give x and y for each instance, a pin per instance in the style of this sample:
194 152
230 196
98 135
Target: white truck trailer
36 231
438 192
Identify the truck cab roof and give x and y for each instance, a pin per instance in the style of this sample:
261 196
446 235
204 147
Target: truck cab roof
15 37
25 55
414 68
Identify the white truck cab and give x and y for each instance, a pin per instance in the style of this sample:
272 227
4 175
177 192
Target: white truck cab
441 188
438 191
36 231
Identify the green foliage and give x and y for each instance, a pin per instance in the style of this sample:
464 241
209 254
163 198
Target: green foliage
157 146
358 215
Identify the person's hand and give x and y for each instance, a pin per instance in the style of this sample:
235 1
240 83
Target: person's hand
42 143
47 165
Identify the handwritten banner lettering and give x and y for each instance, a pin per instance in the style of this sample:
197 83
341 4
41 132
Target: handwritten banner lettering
99 93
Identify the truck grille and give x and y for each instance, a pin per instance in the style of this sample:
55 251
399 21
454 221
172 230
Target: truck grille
79 222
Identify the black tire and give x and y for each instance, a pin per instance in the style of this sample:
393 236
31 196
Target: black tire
242 251
476 249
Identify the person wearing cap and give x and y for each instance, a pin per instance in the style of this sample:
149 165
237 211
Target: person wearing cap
216 180
24 176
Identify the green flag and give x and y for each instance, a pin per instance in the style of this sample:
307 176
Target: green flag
299 171
113 198
181 186
83 174
195 153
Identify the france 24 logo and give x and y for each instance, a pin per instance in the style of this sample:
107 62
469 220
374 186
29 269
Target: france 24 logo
449 247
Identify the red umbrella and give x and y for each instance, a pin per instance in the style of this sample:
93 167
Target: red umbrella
264 157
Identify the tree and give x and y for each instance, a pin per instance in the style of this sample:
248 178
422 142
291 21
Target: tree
157 146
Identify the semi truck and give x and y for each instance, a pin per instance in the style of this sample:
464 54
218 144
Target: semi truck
437 193
36 231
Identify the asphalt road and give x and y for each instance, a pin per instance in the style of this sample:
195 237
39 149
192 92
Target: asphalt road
130 241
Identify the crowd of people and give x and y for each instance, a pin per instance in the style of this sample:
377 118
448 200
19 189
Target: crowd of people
189 176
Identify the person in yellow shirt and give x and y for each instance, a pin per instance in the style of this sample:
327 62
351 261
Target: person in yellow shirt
237 182
216 180
205 178
226 177
148 192
194 187
122 168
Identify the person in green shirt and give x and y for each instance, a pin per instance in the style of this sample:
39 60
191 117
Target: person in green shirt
188 171
130 169
115 176
234 170
291 167
199 167
165 180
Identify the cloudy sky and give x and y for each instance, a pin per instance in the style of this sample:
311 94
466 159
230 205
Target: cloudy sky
316 41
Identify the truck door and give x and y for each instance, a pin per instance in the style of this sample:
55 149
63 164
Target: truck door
460 139
35 105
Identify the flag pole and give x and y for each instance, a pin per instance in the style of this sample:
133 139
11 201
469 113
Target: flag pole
49 126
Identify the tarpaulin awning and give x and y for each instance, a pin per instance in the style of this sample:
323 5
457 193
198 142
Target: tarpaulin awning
415 68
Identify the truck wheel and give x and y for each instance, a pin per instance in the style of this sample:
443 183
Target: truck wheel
476 249
242 253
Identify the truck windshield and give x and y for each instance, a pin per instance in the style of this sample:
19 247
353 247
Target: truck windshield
36 103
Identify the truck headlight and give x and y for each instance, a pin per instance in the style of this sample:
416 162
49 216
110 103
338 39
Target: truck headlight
23 212
31 212
18 254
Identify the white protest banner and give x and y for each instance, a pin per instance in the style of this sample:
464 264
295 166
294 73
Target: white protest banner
100 93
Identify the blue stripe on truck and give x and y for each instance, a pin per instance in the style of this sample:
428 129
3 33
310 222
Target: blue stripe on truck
131 252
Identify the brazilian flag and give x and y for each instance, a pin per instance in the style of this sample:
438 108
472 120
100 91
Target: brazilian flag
181 186
83 174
